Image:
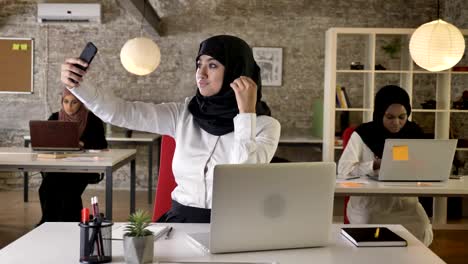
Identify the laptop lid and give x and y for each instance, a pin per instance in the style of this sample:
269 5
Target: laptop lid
52 135
417 159
270 206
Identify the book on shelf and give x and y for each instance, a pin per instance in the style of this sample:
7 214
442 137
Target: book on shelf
340 98
373 237
346 97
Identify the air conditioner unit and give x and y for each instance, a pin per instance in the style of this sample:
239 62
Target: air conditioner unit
51 12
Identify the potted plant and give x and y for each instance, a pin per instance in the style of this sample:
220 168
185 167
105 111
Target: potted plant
138 241
392 48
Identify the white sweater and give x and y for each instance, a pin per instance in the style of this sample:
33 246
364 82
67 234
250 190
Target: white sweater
357 160
254 139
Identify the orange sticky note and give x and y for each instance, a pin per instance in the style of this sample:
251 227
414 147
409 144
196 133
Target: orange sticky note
351 184
400 153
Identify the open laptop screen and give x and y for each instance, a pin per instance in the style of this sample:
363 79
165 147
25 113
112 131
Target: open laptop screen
270 206
54 135
417 159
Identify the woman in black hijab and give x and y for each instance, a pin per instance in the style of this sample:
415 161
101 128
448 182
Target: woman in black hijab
362 156
224 123
215 113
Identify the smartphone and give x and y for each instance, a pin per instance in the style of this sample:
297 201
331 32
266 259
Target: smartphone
87 56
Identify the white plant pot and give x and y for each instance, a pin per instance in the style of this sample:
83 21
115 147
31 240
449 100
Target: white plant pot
138 250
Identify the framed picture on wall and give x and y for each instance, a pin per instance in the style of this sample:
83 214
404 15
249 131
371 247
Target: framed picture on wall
270 61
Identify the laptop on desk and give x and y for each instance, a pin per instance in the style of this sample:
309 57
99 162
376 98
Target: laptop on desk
54 136
416 160
269 206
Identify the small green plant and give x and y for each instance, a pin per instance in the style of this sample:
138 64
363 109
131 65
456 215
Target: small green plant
392 48
138 222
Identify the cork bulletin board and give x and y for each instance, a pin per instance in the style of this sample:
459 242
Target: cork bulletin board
16 65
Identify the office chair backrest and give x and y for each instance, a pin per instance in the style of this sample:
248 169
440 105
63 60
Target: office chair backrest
166 182
345 137
347 134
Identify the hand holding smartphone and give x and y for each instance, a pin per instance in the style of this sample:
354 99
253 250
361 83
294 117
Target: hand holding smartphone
87 56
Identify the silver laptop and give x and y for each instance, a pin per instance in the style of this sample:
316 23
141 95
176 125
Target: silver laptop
416 160
270 206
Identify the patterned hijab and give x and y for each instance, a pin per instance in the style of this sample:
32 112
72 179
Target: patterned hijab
81 116
215 114
374 133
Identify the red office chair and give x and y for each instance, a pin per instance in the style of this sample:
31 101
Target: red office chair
346 135
166 182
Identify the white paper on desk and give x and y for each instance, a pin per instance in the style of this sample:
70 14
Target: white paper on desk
86 159
158 231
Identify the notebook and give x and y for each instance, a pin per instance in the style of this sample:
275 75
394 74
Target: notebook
416 160
373 237
269 206
158 231
52 135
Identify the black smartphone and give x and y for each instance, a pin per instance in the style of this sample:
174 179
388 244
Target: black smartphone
87 56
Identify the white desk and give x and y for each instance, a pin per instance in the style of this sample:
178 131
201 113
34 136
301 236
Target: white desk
49 244
23 159
439 190
137 138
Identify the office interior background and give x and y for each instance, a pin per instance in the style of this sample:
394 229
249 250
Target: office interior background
298 27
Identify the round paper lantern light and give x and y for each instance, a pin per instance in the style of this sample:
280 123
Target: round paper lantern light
437 45
140 56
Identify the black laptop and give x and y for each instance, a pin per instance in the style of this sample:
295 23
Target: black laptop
54 136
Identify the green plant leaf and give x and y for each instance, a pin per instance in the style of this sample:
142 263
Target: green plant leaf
392 48
138 222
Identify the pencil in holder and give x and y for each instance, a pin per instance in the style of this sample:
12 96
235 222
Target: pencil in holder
96 241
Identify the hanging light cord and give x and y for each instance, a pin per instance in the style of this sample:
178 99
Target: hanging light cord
438 10
142 17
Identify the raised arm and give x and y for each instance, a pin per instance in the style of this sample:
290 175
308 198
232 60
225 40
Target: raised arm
256 138
155 118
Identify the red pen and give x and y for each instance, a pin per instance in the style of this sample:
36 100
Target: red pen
85 215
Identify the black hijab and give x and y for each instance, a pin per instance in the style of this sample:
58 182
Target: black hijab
215 114
374 133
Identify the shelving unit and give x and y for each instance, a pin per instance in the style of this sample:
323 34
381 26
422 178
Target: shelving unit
346 45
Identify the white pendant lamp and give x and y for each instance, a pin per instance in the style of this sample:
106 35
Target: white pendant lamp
140 56
437 45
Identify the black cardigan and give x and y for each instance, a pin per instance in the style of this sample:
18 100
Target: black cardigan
93 136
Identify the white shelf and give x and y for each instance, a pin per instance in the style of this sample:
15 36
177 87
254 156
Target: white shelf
367 48
428 72
353 109
392 71
430 110
355 71
375 71
458 111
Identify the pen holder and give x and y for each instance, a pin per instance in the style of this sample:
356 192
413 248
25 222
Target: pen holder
96 242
